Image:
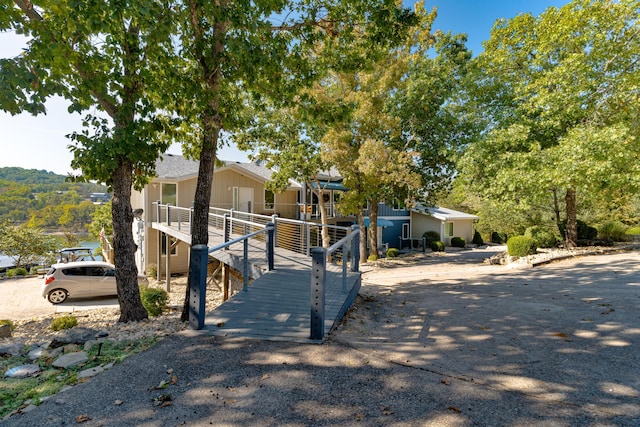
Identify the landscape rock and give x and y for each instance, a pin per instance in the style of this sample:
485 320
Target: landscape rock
22 371
5 331
72 359
36 353
73 336
11 349
91 372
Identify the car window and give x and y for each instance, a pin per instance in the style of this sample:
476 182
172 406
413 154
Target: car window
75 271
102 271
51 271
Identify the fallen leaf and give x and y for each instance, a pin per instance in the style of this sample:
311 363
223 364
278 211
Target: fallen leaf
265 377
359 417
220 324
174 379
445 382
560 335
454 409
162 400
386 410
170 371
118 402
83 418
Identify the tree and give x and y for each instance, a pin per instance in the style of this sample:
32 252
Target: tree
558 97
108 59
26 245
260 54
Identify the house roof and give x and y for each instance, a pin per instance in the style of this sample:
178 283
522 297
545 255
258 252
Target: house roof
443 214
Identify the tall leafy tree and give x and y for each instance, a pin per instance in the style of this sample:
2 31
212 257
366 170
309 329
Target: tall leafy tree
260 53
25 244
558 96
105 58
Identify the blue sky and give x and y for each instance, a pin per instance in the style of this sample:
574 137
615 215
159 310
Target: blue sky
40 143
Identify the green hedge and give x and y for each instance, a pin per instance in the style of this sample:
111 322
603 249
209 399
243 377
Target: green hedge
437 246
633 231
614 231
477 238
392 252
458 242
154 300
521 246
543 238
431 236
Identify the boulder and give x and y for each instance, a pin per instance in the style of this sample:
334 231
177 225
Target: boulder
72 359
73 336
5 331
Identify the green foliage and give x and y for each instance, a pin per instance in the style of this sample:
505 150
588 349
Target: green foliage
430 236
437 246
521 246
25 244
477 238
497 237
458 242
614 231
392 252
543 238
8 322
634 231
585 231
100 218
154 300
14 272
152 270
372 258
64 322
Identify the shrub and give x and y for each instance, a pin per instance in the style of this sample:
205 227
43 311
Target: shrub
8 322
458 242
431 236
585 232
543 238
152 271
437 246
154 300
64 322
521 246
613 230
477 238
498 237
633 231
392 252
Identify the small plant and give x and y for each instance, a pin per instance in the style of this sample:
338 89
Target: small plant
64 322
431 236
372 258
154 300
8 322
544 238
497 237
152 271
477 238
585 232
614 231
458 242
521 246
14 272
633 231
437 246
392 252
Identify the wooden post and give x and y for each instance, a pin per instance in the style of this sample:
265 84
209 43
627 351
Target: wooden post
270 245
225 282
198 286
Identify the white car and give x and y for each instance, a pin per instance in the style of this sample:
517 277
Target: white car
81 280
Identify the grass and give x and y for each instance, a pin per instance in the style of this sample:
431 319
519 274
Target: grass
17 393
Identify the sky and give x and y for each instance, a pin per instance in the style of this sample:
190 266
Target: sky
39 142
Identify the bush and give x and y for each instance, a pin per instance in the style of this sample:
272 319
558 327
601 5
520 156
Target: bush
477 238
152 271
431 236
521 246
498 237
392 252
8 322
585 232
20 271
437 246
633 231
64 322
154 300
543 238
458 242
613 230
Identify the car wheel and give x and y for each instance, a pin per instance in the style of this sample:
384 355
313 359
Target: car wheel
57 296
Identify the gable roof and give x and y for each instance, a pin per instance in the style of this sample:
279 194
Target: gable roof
443 214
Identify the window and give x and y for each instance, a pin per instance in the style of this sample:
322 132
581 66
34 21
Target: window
405 230
397 205
169 192
269 199
448 229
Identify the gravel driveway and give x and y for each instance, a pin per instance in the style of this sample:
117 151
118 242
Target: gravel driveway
428 344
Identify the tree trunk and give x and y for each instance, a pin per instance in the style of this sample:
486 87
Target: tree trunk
363 236
131 308
373 229
556 208
571 232
324 230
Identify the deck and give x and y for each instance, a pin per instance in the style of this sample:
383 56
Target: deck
277 303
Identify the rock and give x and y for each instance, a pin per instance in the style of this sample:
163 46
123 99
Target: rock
72 359
5 331
36 353
22 371
73 336
11 350
91 372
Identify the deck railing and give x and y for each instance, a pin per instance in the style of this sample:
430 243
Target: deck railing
294 235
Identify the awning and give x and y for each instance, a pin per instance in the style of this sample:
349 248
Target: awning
329 185
381 222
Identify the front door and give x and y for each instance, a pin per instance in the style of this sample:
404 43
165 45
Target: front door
245 199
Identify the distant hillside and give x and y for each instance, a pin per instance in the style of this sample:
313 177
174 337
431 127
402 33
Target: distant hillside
45 199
